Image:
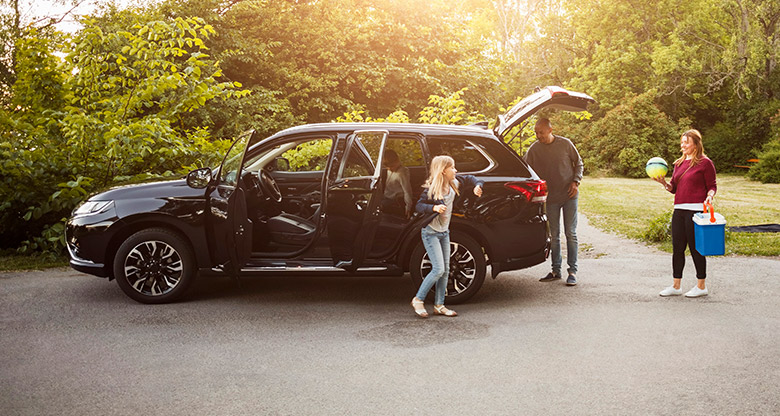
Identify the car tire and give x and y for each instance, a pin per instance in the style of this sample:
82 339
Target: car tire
155 266
467 268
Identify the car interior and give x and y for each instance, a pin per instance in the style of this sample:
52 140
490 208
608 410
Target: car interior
284 188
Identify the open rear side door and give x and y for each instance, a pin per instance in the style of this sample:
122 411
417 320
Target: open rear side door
354 194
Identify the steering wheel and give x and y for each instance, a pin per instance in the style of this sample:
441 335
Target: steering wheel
268 186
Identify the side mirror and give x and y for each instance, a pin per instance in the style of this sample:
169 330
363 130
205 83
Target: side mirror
199 178
281 164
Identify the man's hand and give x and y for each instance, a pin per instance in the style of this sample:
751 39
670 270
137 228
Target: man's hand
478 190
573 189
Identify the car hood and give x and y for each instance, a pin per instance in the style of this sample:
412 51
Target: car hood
552 97
176 188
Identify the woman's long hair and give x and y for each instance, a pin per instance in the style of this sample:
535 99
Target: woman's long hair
437 185
694 137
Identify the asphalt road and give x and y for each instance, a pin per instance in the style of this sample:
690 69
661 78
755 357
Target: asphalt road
71 344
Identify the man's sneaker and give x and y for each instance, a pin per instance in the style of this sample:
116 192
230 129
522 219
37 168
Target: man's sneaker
571 280
550 277
696 292
671 291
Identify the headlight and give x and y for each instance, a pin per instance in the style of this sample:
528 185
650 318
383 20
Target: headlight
92 207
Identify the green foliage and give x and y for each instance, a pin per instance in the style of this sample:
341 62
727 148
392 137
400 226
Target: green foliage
767 170
741 133
150 76
630 134
143 92
448 110
357 116
32 160
660 228
309 156
314 61
110 113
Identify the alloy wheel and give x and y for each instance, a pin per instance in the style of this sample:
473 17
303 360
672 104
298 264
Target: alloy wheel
153 268
463 268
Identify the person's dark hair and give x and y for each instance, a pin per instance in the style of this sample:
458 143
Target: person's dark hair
545 121
391 156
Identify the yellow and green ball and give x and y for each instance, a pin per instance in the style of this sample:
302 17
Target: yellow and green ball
656 167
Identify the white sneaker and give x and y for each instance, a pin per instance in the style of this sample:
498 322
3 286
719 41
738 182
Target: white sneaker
671 291
696 292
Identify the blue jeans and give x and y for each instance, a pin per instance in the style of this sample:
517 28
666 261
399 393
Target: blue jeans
569 229
437 244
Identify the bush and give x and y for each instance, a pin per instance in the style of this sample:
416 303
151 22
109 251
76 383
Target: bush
767 170
65 135
745 130
627 136
660 229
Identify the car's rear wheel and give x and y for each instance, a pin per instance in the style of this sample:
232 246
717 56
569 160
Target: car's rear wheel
154 266
467 268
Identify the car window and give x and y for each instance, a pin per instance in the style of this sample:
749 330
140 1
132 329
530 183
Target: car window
363 155
408 150
309 156
468 158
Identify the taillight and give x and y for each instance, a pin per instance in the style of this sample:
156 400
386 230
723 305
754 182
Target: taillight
534 191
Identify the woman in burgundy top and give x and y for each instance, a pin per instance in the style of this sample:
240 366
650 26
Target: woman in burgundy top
693 182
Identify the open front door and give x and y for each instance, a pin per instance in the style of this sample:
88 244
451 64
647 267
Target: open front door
354 196
229 227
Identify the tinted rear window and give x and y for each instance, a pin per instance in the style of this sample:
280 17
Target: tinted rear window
470 156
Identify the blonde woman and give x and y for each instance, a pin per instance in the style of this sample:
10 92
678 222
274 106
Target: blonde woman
443 186
693 183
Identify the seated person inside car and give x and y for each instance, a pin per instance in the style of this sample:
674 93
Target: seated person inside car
397 198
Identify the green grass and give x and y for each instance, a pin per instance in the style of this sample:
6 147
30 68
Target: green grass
10 261
628 206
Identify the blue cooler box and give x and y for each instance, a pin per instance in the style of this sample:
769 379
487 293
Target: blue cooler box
710 236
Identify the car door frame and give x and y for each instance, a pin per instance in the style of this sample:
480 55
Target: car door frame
338 188
228 227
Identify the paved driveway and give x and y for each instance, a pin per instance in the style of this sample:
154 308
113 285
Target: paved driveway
71 344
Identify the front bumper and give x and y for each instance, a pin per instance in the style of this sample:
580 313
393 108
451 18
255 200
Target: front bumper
86 266
87 239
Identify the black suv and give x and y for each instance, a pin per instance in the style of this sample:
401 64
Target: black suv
310 199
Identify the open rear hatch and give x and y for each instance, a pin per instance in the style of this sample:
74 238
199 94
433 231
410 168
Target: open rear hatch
552 97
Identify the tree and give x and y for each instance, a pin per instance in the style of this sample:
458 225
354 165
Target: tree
128 92
109 113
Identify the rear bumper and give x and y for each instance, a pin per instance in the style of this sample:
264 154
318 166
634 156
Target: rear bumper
519 263
522 262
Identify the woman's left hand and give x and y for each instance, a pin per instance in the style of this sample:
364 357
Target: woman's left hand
478 190
708 200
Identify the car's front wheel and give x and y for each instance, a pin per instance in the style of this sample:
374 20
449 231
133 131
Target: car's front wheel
154 266
467 267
